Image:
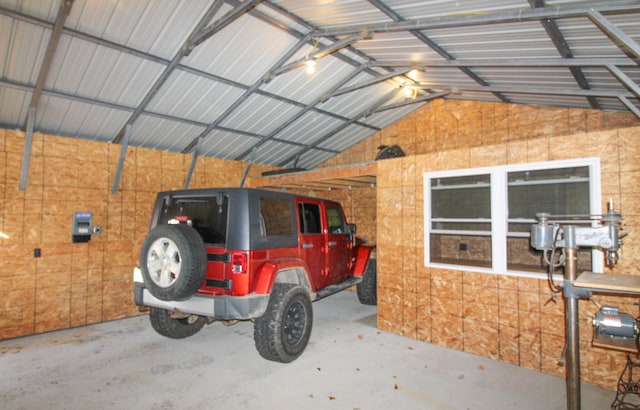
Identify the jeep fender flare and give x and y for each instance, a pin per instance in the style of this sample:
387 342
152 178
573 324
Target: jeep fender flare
287 270
362 258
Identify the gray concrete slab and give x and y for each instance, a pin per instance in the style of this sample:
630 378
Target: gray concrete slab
349 364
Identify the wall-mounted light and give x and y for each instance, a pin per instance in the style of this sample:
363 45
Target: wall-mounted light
311 65
4 235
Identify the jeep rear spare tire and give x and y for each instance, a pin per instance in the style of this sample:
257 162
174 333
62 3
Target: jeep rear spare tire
281 334
173 261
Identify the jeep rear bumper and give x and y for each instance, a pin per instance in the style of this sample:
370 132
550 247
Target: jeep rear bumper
217 307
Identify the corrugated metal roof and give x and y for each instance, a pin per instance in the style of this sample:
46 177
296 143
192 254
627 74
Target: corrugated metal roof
228 79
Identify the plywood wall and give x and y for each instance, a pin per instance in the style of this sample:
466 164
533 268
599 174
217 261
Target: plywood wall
74 284
502 317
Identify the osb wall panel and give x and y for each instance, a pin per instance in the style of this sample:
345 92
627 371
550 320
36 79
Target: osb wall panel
74 284
513 319
508 318
450 124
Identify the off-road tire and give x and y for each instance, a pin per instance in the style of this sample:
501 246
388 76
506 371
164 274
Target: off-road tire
167 326
367 289
282 333
173 261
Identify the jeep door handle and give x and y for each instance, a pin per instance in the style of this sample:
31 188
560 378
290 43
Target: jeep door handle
332 243
307 245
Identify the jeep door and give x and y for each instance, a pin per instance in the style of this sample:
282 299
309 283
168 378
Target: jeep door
312 241
338 244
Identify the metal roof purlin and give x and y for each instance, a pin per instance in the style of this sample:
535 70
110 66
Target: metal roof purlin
433 45
342 126
56 33
290 53
619 6
184 50
563 48
521 62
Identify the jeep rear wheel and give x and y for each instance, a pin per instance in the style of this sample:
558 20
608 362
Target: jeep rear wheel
282 333
367 289
173 261
175 328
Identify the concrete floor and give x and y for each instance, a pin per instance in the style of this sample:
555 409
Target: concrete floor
348 364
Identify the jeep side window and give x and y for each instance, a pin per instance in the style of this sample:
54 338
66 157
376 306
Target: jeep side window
336 222
309 218
275 217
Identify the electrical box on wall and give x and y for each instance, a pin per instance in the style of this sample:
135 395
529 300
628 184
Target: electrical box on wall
82 226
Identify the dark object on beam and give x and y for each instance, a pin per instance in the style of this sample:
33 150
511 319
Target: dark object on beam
386 151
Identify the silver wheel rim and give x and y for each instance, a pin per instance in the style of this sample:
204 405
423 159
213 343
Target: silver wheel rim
164 262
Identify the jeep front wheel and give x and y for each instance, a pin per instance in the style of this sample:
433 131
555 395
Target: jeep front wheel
175 328
282 333
367 289
173 261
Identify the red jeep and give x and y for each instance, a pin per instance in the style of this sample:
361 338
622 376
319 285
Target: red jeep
246 254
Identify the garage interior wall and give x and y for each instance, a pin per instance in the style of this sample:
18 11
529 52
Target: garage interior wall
501 317
75 284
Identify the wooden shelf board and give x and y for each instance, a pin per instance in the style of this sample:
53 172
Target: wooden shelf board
608 282
339 177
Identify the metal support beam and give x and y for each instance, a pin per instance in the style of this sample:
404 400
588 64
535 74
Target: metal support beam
614 32
196 153
299 114
342 126
205 33
630 105
26 154
123 154
429 97
556 36
312 56
238 102
184 50
54 39
512 16
513 62
365 84
254 152
434 46
625 79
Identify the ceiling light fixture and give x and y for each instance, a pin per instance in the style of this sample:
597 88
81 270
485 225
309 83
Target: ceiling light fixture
410 92
311 65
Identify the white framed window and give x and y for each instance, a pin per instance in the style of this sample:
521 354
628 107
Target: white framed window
480 219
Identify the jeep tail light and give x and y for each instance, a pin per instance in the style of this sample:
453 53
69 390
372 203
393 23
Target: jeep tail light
239 262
